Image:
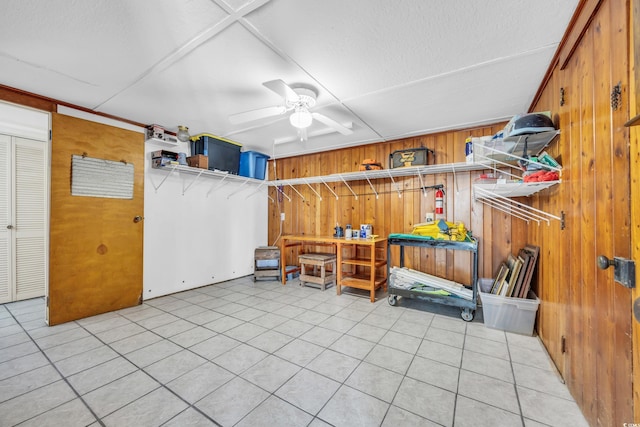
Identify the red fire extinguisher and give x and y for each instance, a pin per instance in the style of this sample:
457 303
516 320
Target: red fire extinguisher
439 200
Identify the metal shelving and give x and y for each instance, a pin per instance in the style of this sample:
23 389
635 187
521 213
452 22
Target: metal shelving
346 177
499 194
221 177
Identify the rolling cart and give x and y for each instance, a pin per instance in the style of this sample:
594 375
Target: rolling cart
468 306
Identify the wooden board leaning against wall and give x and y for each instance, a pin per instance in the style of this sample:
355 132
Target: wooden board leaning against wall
389 213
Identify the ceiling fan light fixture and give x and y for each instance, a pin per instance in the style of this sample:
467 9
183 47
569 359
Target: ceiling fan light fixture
301 118
183 133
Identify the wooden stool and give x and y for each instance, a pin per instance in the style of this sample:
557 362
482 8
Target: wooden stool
317 260
266 262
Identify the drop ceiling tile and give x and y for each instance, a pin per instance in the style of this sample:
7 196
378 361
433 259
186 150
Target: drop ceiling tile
486 94
85 52
221 77
361 46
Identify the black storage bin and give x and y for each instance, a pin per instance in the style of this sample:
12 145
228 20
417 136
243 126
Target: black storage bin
223 154
410 157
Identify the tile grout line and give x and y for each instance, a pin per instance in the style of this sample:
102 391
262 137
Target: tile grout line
64 378
191 300
141 369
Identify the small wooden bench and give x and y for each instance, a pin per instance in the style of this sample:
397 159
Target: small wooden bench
319 261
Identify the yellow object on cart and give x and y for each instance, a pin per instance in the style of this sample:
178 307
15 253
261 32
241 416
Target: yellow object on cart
442 230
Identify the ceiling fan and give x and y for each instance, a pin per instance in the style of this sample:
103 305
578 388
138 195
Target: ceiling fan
299 99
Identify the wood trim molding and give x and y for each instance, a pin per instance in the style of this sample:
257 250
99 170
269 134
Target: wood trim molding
40 102
585 11
21 97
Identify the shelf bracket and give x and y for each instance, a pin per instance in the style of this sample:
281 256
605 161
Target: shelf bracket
165 178
424 190
330 189
220 184
393 183
371 185
279 190
184 189
506 205
507 208
299 194
239 188
314 190
349 187
455 180
257 189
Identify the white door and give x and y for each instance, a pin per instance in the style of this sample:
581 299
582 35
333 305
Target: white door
23 218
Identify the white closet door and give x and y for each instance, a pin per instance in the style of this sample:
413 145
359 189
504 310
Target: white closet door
30 191
6 253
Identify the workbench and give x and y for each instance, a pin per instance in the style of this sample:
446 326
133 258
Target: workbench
366 260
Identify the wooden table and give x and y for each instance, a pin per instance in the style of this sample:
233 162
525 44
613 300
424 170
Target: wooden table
371 262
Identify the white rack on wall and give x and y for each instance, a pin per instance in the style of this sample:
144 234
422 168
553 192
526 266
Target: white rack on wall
170 142
347 177
499 193
221 178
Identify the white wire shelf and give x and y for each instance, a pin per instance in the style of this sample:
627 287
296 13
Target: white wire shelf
384 173
500 197
220 176
512 189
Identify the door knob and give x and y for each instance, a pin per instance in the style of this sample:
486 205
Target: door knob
9 227
137 218
604 262
624 270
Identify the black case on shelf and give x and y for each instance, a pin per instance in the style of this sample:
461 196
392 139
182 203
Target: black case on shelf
410 157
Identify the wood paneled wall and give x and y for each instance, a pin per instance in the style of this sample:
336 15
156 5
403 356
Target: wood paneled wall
585 318
389 213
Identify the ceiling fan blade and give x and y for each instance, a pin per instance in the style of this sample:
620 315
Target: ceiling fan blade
260 113
282 89
332 124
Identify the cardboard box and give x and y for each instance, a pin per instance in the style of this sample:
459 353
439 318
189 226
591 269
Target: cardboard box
198 161
155 132
163 158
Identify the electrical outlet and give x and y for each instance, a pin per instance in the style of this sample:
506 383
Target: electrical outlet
281 216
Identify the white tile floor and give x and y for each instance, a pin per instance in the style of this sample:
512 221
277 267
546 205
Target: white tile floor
262 354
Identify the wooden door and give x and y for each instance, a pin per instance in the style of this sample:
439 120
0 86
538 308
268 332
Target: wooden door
95 244
23 218
585 317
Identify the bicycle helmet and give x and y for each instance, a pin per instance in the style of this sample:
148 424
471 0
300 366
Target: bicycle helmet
528 123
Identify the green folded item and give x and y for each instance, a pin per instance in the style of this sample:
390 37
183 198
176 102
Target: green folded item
429 290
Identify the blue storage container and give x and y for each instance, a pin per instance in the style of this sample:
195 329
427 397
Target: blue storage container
253 164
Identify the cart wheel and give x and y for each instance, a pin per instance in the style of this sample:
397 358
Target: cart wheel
393 299
467 314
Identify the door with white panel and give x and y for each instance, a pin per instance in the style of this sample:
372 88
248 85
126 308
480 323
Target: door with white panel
23 218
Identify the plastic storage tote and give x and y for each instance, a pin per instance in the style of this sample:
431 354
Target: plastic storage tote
223 154
509 314
253 164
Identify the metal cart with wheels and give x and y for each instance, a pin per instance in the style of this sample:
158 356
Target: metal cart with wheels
468 307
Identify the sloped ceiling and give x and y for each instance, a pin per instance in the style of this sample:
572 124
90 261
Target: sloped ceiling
391 69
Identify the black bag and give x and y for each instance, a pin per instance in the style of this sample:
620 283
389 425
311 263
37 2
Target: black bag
410 157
